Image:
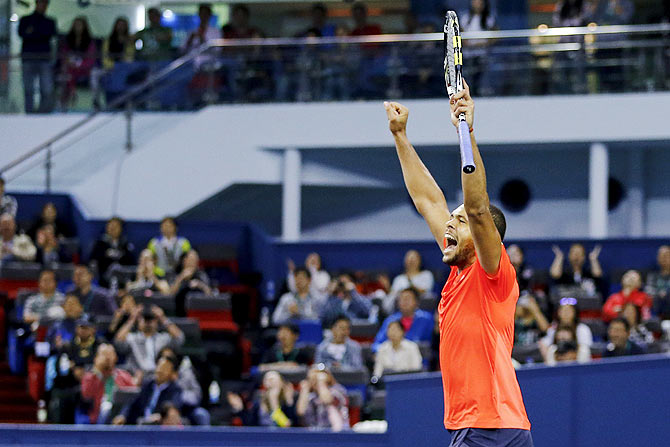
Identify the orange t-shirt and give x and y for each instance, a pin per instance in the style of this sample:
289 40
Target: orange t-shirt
476 338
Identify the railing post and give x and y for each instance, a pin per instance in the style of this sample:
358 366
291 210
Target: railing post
129 126
47 166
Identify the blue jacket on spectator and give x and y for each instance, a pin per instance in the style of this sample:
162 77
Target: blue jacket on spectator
359 308
421 329
151 399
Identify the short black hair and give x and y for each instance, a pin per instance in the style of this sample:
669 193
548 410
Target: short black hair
402 328
205 6
341 317
498 220
414 291
291 327
153 11
169 218
117 218
622 321
173 361
302 270
166 407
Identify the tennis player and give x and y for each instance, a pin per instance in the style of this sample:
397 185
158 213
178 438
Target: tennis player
482 400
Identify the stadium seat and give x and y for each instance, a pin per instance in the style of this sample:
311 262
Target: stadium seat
165 302
364 331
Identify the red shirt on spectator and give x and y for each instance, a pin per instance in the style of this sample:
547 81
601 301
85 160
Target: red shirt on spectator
367 30
615 303
407 322
93 388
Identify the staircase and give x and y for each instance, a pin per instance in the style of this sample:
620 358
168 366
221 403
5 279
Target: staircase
16 405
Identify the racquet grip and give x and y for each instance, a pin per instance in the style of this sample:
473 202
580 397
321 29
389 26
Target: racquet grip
467 159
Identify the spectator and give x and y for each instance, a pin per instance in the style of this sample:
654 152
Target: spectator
658 283
146 278
14 247
569 13
49 216
204 32
190 279
479 17
47 304
318 24
8 204
610 12
96 300
155 393
82 348
62 332
413 276
49 250
298 305
155 41
168 248
410 23
78 56
320 279
524 273
284 354
359 12
639 334
37 30
345 300
121 315
322 402
529 321
630 293
566 351
238 27
119 46
418 324
397 353
560 350
99 384
587 278
567 315
112 249
170 416
142 347
620 344
340 351
273 406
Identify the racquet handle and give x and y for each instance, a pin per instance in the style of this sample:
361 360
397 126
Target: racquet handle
467 159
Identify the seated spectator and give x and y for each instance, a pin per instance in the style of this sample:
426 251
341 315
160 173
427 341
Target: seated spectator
658 283
62 332
298 305
559 351
99 384
589 279
567 315
418 324
284 354
142 347
154 42
359 12
524 273
14 247
397 353
96 300
49 216
119 46
146 278
47 304
171 416
639 334
49 250
8 204
630 293
238 27
273 405
345 300
413 276
529 321
340 351
155 393
322 402
620 344
320 279
77 55
112 249
191 279
168 248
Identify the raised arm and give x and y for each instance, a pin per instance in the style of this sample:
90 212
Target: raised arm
426 195
475 198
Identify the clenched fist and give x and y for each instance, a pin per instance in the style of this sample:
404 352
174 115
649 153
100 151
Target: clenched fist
397 115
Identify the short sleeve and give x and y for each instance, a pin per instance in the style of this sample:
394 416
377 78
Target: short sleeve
501 284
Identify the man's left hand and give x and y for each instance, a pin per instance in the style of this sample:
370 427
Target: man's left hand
462 102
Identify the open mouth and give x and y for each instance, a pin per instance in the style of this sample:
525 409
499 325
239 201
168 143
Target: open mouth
450 243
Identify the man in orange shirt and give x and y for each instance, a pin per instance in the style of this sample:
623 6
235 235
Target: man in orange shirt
482 400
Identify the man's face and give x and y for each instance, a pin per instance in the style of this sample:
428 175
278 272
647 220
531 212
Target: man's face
82 277
359 14
164 371
341 331
407 303
105 358
41 6
7 227
460 248
72 307
85 332
515 255
286 337
576 255
302 282
618 334
113 229
49 213
148 326
663 257
631 280
154 17
47 283
412 261
168 228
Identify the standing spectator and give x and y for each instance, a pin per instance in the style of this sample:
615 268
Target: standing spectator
610 12
479 18
322 402
47 304
37 30
529 321
658 283
284 354
143 346
168 247
340 352
62 332
94 299
238 27
413 276
418 324
49 250
318 23
298 305
14 247
578 274
567 315
191 279
99 384
8 204
397 353
620 344
559 350
155 393
320 279
49 216
630 293
77 55
569 13
345 300
155 41
146 278
112 249
359 12
119 46
639 334
204 32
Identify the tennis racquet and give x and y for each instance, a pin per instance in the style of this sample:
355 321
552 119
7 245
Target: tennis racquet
453 78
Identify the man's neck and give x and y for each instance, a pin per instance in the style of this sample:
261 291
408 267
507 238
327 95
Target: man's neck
85 289
287 349
466 264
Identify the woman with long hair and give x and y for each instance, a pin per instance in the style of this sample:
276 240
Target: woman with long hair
77 59
119 46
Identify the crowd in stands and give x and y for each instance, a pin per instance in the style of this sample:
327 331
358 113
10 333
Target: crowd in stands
122 59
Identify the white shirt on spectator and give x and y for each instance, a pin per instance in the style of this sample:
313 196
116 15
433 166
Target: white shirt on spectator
584 336
406 358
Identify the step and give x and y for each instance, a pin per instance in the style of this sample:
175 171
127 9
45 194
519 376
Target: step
15 396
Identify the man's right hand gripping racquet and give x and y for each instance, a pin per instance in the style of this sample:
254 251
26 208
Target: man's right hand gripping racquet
453 78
